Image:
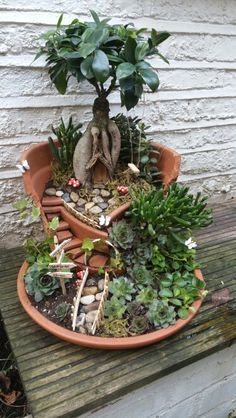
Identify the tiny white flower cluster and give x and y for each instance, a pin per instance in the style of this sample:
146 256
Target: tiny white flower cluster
190 244
104 220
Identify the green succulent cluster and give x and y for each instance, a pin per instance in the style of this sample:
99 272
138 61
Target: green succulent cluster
38 283
62 311
139 325
122 235
160 314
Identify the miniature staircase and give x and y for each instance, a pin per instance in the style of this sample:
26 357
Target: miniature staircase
52 206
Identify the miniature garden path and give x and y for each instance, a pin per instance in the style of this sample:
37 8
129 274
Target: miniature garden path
64 380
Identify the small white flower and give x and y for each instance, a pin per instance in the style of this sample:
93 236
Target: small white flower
190 244
104 220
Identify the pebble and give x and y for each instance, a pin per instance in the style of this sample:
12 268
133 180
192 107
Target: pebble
72 204
81 202
91 316
112 201
89 205
74 197
80 209
93 306
98 296
105 193
82 330
101 284
87 300
98 199
91 282
80 320
66 197
95 210
95 191
51 191
92 290
59 193
103 205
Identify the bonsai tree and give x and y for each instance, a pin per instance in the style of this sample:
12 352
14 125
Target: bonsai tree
110 57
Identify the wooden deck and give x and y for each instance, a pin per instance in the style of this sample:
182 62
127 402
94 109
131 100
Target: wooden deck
63 380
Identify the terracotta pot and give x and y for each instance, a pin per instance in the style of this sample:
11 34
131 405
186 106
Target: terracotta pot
93 341
39 158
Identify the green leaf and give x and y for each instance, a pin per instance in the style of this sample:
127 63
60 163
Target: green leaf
141 50
95 16
158 37
86 67
60 81
129 98
114 58
100 66
59 21
54 223
124 70
129 50
87 245
183 313
150 78
85 49
175 302
35 213
142 65
162 57
166 293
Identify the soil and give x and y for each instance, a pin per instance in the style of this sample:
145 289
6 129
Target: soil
13 402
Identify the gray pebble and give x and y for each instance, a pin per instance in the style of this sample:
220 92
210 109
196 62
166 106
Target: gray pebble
59 193
105 193
74 197
51 191
81 202
86 300
101 284
66 197
98 199
95 191
103 205
91 316
95 210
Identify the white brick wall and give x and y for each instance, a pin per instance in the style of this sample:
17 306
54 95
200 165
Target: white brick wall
194 110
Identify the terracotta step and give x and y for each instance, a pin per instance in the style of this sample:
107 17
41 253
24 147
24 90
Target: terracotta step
51 201
62 235
74 243
52 209
63 225
50 216
98 260
75 252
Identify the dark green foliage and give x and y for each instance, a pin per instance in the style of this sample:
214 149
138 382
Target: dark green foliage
114 308
134 308
122 288
38 251
62 310
38 283
160 314
146 296
96 51
141 275
122 235
136 147
139 325
67 138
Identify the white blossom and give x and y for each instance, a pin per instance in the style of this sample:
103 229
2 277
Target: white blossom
104 220
190 244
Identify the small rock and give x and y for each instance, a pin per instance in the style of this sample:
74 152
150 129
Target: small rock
66 197
103 205
72 204
99 186
93 306
80 209
95 210
95 191
92 290
98 199
101 284
74 197
81 202
112 201
88 327
89 205
91 316
105 193
86 300
80 320
59 193
98 296
51 191
82 330
91 282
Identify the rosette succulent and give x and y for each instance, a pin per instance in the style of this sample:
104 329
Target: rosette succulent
38 283
160 314
139 325
122 235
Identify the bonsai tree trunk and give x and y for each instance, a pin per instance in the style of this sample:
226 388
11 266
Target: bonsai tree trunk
97 151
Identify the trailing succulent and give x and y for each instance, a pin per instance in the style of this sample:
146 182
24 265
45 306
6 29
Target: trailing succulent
38 283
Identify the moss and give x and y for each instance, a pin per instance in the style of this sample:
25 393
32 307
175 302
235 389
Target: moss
116 328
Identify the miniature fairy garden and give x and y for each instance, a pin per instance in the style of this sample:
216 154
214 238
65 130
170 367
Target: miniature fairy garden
148 280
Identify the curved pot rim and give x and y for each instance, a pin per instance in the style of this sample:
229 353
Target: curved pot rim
99 342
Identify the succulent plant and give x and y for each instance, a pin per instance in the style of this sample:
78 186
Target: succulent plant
38 283
114 308
139 325
122 288
141 275
62 310
134 308
122 235
161 314
146 296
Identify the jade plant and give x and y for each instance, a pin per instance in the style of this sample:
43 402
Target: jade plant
109 57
